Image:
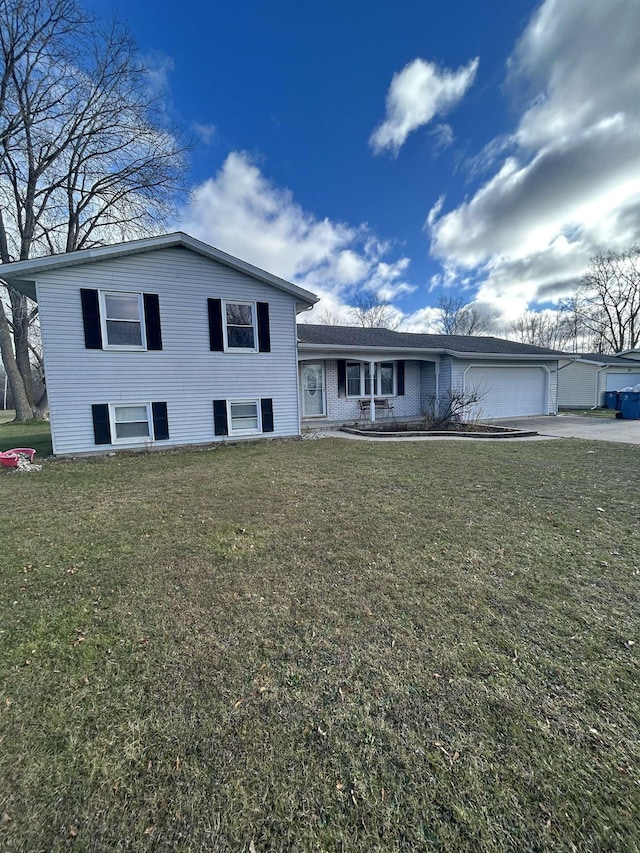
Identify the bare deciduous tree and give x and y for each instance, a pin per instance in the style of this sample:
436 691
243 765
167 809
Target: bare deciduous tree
459 318
372 312
455 406
608 299
329 318
551 329
86 156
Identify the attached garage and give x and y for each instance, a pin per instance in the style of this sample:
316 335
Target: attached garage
509 391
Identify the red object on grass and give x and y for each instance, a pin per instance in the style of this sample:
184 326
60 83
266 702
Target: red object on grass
9 458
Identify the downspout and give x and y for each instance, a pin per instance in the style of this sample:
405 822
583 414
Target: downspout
597 400
436 407
372 380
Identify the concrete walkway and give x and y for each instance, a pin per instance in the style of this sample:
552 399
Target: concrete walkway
547 427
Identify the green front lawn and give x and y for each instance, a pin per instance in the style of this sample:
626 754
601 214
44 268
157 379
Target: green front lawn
323 645
36 434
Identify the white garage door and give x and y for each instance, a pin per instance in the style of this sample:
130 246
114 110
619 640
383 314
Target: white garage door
509 392
616 381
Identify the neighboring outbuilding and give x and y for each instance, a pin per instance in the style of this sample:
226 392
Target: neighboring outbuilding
584 378
163 341
412 373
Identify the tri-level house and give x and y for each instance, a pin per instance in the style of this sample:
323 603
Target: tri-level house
163 341
168 341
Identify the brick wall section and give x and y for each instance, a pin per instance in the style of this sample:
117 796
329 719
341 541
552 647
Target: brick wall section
348 410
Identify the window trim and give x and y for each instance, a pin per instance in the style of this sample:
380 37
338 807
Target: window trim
102 296
257 404
254 325
140 439
363 365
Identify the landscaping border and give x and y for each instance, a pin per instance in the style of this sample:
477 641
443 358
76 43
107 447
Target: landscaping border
499 432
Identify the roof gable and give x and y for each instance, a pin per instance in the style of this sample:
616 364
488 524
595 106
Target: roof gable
21 274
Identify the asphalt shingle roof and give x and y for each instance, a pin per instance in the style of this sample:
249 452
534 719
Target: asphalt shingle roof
356 336
609 359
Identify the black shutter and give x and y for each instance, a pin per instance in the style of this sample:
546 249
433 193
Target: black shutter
91 319
160 421
264 336
152 320
342 377
216 341
101 428
220 426
267 415
400 367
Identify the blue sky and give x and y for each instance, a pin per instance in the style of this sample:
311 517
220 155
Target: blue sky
476 148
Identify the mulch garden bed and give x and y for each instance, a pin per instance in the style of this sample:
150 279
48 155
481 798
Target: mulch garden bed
389 430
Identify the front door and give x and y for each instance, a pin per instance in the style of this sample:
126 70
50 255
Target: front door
312 389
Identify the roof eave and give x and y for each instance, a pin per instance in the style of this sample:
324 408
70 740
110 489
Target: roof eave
15 272
520 356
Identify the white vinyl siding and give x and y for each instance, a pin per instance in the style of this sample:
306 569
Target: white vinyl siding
427 382
578 385
185 373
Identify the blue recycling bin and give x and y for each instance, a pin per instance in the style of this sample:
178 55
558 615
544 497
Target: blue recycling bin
611 400
630 405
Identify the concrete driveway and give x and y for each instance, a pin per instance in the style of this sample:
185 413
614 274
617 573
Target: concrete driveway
579 426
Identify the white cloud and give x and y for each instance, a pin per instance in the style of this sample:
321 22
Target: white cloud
571 183
422 320
244 214
206 133
442 136
416 94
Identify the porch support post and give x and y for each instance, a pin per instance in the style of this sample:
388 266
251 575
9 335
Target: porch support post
437 372
372 389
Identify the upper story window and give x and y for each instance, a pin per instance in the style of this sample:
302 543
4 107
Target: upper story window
240 325
123 320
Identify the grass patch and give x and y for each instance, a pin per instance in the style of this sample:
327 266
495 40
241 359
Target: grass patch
590 413
322 646
36 434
